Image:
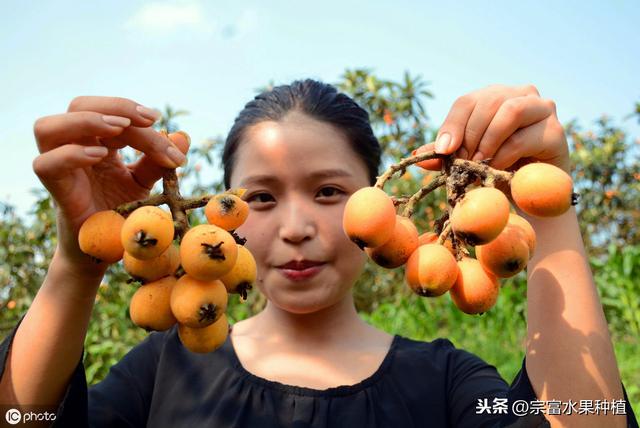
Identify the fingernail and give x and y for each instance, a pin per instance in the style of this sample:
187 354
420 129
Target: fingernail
443 143
122 122
96 151
176 156
148 113
185 136
478 156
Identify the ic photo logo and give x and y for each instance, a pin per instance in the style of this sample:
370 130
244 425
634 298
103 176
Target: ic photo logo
13 416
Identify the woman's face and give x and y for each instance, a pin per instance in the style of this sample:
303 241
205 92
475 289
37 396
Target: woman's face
299 173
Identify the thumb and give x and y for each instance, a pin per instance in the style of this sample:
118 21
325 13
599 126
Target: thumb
451 133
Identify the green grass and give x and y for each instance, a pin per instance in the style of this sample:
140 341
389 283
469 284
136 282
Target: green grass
498 337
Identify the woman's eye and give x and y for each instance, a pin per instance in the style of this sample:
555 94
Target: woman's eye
330 191
258 196
325 192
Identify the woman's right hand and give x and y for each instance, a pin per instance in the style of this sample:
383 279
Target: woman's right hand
80 166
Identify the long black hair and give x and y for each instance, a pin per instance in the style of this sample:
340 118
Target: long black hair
318 100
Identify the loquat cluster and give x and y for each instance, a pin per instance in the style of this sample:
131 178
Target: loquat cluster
479 215
185 273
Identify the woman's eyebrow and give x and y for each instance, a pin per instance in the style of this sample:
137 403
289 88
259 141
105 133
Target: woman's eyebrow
324 173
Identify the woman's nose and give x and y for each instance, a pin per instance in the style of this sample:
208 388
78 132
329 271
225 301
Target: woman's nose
297 222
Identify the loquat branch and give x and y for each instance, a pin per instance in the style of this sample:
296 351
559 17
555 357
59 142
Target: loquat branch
161 199
439 222
174 200
457 174
409 208
443 236
481 169
399 200
129 207
459 249
403 164
171 197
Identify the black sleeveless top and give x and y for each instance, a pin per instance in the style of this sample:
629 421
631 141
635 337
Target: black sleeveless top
159 383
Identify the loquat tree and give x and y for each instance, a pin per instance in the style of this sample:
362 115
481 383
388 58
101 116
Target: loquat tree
607 177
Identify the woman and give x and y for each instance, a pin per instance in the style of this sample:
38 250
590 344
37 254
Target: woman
307 359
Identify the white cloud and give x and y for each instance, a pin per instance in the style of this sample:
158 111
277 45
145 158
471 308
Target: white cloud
168 16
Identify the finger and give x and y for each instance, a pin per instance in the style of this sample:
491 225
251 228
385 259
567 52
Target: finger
478 123
55 168
543 141
524 143
116 106
528 90
53 131
451 133
429 164
490 99
146 171
153 143
513 114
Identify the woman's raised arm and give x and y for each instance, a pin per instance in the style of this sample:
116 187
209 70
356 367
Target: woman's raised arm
569 354
80 166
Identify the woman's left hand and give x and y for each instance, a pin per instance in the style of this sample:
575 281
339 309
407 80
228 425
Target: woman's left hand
510 125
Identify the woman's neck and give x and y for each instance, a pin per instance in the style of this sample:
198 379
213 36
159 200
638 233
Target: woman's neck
337 324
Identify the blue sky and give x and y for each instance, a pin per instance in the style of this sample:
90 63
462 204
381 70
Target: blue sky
209 57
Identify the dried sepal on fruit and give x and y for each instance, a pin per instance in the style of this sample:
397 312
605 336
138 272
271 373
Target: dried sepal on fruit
480 215
506 255
241 278
147 232
207 252
206 339
197 303
227 211
431 270
509 253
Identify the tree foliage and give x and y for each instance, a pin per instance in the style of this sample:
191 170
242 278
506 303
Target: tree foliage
607 178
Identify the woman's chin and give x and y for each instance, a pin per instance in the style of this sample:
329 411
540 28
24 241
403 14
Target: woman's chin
301 301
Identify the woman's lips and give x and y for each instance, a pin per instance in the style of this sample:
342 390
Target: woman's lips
302 274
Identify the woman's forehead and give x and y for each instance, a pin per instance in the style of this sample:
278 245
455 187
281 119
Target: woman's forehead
298 146
312 175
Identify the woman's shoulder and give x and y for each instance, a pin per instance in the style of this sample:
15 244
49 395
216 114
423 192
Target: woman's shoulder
440 347
439 355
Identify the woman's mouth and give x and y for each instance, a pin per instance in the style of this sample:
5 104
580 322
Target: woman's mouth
301 274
